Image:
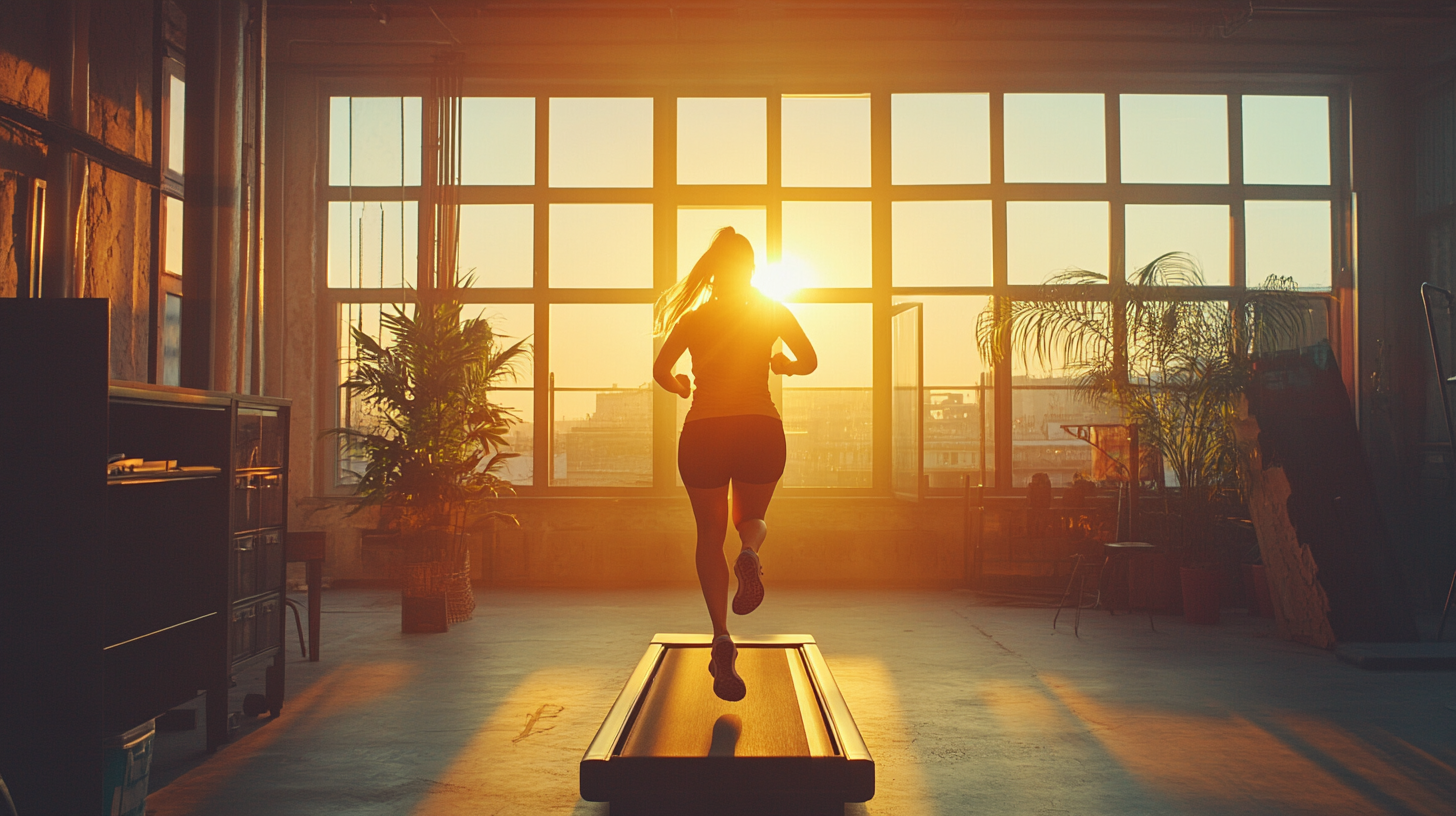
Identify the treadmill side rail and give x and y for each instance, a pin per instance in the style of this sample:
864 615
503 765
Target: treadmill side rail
861 771
595 784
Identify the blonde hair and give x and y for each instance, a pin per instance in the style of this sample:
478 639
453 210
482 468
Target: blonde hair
728 247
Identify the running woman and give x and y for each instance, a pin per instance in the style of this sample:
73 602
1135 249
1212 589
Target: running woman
733 433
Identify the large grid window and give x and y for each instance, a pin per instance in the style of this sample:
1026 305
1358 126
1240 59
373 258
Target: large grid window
577 211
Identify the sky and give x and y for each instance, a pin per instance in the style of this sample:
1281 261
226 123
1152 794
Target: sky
936 139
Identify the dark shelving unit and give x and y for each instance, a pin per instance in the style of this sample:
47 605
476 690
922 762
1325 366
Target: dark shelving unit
124 594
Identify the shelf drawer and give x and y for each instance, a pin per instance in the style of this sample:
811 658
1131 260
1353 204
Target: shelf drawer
243 632
270 561
257 626
270 498
269 623
247 508
259 441
245 566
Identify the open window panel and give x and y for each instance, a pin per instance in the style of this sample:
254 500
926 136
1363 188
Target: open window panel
907 376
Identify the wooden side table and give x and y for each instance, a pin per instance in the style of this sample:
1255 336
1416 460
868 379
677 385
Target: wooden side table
308 547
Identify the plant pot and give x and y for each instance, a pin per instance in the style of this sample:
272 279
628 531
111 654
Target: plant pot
1201 594
1259 577
459 598
423 614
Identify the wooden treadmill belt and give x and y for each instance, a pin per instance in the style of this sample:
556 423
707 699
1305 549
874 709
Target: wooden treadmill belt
682 717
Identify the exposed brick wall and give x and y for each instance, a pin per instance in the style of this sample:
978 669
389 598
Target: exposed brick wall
11 227
25 77
117 232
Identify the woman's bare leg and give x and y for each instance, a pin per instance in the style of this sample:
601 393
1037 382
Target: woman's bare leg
710 509
750 503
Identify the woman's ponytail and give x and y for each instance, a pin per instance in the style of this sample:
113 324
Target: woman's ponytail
690 292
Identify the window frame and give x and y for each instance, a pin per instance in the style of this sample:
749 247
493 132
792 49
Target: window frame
666 196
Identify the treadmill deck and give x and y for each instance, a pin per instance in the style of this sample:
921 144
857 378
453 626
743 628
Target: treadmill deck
670 743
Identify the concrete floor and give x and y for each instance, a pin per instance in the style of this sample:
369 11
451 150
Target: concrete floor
967 706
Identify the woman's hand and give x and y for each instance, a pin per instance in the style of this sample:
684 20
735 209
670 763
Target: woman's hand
780 364
684 385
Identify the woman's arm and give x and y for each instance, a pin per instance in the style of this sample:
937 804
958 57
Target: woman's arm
672 349
805 360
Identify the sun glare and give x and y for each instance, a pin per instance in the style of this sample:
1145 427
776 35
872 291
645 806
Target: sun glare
781 279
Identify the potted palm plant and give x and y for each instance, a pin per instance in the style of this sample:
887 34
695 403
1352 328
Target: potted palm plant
432 443
1173 366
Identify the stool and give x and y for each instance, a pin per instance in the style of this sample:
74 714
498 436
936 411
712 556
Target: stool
309 548
297 622
1120 553
1080 567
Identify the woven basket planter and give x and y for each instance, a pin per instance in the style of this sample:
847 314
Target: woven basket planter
459 599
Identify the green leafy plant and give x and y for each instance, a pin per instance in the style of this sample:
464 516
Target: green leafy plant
1172 365
433 440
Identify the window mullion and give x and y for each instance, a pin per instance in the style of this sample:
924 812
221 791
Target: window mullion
544 431
1001 358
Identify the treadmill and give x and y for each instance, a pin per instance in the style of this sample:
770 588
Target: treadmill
669 745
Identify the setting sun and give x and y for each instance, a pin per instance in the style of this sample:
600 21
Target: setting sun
781 279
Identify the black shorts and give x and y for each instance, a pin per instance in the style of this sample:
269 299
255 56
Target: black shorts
747 448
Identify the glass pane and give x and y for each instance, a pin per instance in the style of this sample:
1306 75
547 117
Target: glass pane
959 437
828 414
1290 239
602 438
941 243
951 357
354 412
1286 140
1201 230
374 141
1056 138
601 245
601 142
520 438
826 141
1174 139
172 248
498 140
172 340
602 433
373 244
722 141
697 225
177 125
601 346
1039 445
1047 237
497 245
940 138
509 322
828 242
